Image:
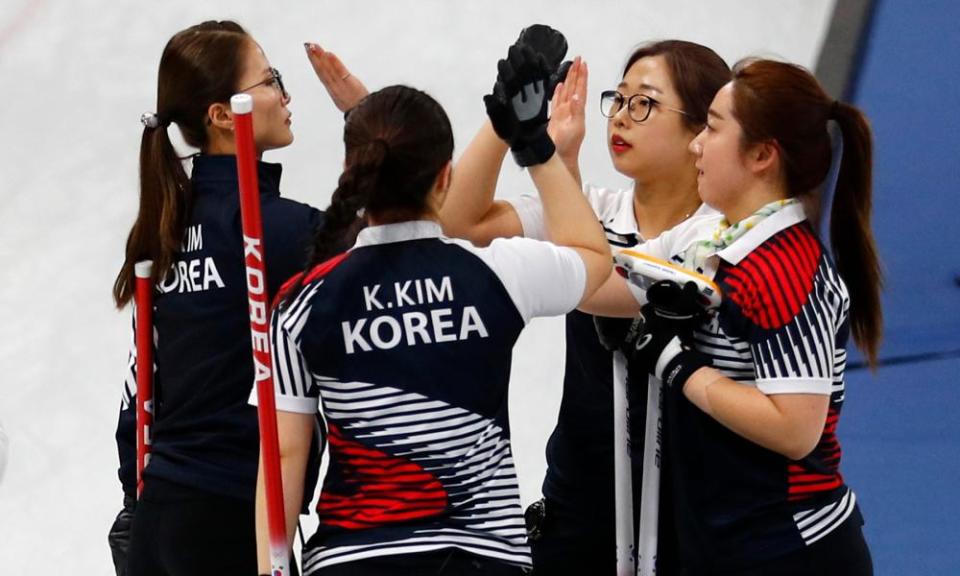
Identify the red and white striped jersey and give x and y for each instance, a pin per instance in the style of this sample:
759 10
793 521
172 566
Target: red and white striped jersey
404 344
783 327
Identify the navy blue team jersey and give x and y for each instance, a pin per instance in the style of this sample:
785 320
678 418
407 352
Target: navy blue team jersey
404 344
783 327
205 433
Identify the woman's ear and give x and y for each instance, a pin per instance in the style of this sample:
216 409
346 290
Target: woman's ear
764 157
441 185
446 175
220 115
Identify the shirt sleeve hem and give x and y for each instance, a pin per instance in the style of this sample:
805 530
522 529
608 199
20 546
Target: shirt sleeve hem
298 404
820 386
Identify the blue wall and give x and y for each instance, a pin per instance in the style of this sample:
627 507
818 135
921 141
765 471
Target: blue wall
909 85
901 429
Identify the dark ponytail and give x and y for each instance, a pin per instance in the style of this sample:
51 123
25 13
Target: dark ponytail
397 141
851 233
785 103
200 66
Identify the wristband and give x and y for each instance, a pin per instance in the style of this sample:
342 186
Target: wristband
533 152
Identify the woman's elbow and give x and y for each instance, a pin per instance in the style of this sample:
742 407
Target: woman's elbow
799 445
598 267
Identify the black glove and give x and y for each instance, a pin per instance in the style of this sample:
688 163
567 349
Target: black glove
518 105
618 333
664 349
550 43
119 536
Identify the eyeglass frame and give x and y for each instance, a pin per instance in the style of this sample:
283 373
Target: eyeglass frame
628 101
275 76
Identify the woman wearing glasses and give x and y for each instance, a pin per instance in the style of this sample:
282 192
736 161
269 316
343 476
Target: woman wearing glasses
662 104
196 513
654 113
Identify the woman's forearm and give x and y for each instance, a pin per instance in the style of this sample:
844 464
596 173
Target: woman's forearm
295 435
613 299
570 221
789 424
469 210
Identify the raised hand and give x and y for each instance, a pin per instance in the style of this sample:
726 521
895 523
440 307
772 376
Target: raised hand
345 89
552 45
567 118
518 105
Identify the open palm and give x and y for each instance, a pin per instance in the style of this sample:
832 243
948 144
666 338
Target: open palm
567 125
345 89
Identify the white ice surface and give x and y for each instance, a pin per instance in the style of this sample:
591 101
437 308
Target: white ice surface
75 77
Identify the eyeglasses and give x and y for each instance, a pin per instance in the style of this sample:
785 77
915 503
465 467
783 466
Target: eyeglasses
275 79
638 105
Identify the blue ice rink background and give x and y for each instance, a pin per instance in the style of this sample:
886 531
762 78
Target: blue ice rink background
75 75
901 426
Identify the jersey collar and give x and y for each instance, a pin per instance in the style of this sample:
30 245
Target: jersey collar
399 232
218 173
779 220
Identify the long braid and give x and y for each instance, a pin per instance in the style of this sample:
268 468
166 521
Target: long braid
397 141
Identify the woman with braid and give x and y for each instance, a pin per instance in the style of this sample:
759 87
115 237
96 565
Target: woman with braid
403 342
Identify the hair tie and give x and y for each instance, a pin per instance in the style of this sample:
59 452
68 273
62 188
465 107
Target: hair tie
834 109
152 120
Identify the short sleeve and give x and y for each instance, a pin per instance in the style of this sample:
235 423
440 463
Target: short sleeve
530 211
794 359
541 278
606 203
789 315
293 382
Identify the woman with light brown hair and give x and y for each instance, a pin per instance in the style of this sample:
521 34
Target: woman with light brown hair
195 514
756 392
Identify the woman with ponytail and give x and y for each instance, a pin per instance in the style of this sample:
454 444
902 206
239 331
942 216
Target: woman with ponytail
756 391
403 343
196 513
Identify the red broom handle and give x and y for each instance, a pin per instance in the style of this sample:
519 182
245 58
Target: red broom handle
144 301
253 253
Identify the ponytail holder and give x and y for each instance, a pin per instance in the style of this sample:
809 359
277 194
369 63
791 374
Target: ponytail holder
151 120
834 109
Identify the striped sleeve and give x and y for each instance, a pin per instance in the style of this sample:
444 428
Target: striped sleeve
790 301
295 389
129 392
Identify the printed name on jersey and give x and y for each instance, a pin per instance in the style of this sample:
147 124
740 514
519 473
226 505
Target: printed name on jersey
195 274
192 239
436 325
424 290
